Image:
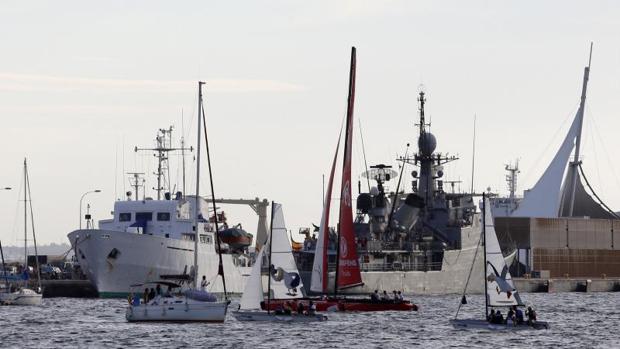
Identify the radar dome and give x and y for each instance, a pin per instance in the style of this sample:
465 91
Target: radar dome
427 143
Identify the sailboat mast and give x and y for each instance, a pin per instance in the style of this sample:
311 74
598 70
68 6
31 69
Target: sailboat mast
269 266
484 253
345 189
6 278
196 234
220 269
582 107
25 221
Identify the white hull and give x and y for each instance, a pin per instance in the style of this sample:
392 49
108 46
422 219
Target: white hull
184 312
21 297
258 315
143 258
485 325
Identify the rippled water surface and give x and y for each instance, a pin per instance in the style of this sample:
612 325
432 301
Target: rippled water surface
577 320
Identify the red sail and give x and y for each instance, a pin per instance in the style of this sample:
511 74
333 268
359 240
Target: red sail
348 274
319 267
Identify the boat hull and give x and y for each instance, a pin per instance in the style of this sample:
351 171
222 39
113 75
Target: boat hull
142 258
185 312
467 324
272 317
342 304
21 297
450 279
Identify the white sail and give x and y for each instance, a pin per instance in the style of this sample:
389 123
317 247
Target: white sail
284 276
500 288
316 284
253 291
543 200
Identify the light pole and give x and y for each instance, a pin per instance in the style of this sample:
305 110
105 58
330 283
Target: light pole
82 198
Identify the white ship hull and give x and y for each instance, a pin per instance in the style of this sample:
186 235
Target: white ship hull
143 258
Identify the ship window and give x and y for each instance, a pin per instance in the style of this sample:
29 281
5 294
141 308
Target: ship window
144 216
124 217
163 216
205 239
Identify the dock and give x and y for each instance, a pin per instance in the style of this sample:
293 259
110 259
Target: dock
567 285
68 288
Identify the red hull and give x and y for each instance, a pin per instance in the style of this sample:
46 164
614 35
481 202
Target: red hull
343 304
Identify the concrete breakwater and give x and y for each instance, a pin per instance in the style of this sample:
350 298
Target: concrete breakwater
567 285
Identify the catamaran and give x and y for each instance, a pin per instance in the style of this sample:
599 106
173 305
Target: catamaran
284 282
193 304
500 292
347 273
22 294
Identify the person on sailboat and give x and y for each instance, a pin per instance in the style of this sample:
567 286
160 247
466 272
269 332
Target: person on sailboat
518 314
400 296
491 316
300 308
384 296
531 315
375 296
510 317
288 309
311 308
204 283
498 318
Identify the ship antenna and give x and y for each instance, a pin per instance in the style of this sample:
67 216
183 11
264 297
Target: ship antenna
363 152
473 157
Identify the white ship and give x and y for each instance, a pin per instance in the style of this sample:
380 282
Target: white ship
148 238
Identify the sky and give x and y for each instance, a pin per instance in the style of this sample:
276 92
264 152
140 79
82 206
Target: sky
83 83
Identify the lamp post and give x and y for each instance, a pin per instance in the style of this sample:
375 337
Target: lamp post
82 198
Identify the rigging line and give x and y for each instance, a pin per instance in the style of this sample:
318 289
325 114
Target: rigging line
217 230
34 236
598 136
595 195
530 169
364 152
471 269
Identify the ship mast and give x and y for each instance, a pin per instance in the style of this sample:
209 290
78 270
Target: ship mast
162 150
575 164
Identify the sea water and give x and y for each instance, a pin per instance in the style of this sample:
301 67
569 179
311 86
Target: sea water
577 320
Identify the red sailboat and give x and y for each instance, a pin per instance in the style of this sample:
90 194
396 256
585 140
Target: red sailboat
347 262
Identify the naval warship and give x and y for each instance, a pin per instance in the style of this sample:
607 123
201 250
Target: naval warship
421 239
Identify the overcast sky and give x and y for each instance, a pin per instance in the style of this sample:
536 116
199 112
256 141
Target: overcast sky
82 83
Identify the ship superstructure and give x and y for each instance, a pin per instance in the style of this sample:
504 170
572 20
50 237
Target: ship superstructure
146 239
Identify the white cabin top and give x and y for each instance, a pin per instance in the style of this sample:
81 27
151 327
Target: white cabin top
166 218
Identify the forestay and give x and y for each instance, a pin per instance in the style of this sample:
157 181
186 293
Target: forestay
500 288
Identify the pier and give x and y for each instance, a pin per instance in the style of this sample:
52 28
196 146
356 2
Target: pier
567 285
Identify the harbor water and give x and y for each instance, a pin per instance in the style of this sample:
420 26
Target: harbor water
577 320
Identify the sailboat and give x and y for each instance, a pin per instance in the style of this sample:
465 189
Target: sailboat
348 273
192 304
500 291
22 295
284 281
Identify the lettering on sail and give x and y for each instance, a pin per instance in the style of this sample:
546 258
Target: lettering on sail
346 194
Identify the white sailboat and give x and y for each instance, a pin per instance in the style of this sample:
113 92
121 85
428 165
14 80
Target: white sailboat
284 280
21 294
193 304
500 292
